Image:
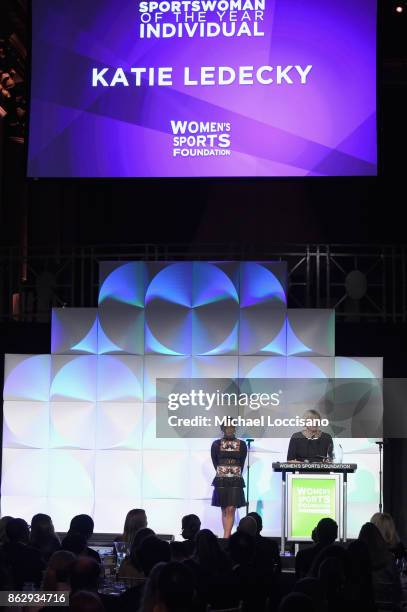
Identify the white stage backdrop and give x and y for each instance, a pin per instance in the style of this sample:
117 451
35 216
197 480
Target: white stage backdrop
79 424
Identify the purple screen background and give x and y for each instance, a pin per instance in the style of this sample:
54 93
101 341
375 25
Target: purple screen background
325 128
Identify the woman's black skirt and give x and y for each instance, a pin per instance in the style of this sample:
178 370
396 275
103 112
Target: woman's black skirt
228 496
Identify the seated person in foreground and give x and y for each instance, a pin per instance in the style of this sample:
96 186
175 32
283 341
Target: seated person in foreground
326 533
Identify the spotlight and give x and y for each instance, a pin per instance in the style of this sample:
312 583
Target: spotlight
399 9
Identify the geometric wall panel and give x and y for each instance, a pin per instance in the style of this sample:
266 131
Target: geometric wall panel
119 426
263 305
73 378
150 440
159 366
25 424
72 425
62 508
358 367
157 466
27 377
262 367
120 378
215 314
79 427
25 472
311 332
74 330
121 308
222 366
77 468
118 474
168 314
310 367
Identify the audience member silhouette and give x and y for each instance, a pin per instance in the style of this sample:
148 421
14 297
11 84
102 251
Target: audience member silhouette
57 576
385 524
84 525
75 543
326 533
152 550
170 587
267 551
385 576
190 526
136 519
43 535
24 563
85 601
296 602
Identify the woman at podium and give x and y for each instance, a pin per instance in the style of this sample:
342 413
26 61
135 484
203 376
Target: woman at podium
311 444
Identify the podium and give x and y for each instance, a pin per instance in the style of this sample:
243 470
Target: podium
323 486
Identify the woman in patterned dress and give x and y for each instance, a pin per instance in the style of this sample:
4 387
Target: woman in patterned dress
228 458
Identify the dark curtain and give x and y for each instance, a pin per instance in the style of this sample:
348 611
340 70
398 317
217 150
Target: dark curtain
395 483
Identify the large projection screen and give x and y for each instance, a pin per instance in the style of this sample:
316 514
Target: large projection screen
203 88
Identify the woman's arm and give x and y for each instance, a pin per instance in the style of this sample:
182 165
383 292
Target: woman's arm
292 450
243 453
214 453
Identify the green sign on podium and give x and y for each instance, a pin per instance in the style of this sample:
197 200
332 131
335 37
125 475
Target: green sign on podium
311 498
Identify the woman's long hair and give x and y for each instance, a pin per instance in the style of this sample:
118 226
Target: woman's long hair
42 531
171 585
208 553
378 551
385 524
136 519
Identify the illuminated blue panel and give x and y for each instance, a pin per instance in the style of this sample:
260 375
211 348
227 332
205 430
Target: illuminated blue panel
260 282
214 282
162 366
121 308
224 366
170 282
125 283
263 309
74 330
294 344
179 334
27 377
262 367
73 378
311 332
121 328
120 378
310 367
168 309
358 367
105 345
215 299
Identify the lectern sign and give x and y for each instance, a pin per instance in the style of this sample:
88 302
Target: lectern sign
311 499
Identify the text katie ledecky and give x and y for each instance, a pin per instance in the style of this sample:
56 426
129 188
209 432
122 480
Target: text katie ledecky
202 76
